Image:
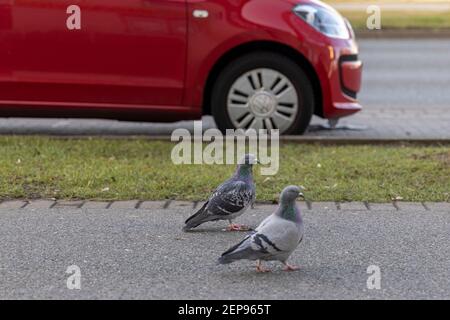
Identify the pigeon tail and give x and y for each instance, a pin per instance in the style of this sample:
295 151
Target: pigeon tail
246 253
196 219
224 260
237 252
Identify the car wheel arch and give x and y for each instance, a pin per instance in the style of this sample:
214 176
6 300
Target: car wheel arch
262 46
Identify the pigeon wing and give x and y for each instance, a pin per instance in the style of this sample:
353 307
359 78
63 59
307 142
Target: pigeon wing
277 236
230 198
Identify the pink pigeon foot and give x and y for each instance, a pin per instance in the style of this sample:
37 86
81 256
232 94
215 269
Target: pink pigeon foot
238 227
288 267
260 268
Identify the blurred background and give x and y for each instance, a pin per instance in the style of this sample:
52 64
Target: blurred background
405 91
398 14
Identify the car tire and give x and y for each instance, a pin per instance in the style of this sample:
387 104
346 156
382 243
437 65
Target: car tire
252 79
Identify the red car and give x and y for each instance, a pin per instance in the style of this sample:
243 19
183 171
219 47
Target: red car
249 63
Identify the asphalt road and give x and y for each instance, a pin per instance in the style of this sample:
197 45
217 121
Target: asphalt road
131 254
408 73
405 95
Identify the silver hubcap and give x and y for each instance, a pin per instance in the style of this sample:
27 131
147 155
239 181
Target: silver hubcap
263 99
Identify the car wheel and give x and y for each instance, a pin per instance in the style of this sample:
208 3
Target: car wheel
263 91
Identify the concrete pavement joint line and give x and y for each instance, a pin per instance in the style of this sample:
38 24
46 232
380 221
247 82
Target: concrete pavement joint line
138 204
167 204
196 204
425 206
394 203
109 204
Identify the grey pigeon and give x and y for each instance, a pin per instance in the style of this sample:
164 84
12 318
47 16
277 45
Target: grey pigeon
230 199
275 238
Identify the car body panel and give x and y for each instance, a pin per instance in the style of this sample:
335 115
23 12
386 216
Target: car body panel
119 57
236 23
150 60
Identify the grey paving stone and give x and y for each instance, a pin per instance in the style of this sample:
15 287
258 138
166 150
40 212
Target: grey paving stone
323 206
12 204
151 205
40 204
71 204
130 204
272 206
198 204
95 205
416 206
438 206
181 204
353 206
302 205
156 205
262 206
382 207
378 126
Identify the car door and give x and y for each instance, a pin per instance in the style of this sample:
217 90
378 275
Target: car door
126 52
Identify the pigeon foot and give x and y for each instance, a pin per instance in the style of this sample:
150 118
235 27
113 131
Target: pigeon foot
238 227
289 267
260 268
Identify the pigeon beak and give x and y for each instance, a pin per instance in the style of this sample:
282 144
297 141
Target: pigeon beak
301 195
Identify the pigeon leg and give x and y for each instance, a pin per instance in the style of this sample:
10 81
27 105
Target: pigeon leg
260 268
237 227
289 267
232 226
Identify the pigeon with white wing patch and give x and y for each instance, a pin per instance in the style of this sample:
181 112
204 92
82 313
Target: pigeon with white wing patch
275 238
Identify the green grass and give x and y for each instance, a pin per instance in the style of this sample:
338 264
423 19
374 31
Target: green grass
397 19
402 20
37 167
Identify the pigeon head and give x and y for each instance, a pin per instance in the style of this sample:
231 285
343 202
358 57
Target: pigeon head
245 165
248 159
288 208
290 193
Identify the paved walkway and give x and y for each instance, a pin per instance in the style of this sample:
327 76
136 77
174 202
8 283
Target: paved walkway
380 123
128 253
192 205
